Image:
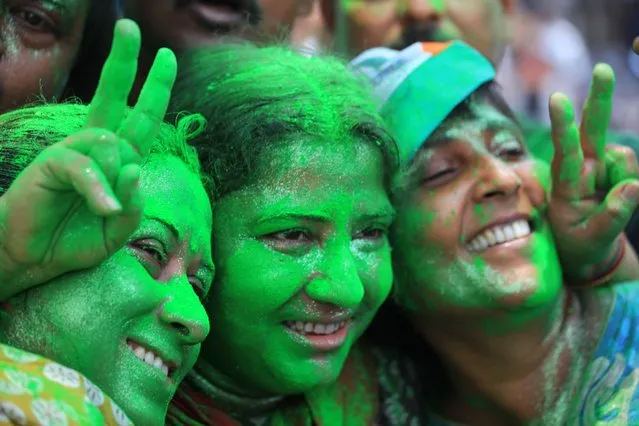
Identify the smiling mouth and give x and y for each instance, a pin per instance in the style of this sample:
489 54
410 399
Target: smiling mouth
323 337
500 234
149 357
319 329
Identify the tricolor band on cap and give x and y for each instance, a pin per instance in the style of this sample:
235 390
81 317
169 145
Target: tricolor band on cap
421 85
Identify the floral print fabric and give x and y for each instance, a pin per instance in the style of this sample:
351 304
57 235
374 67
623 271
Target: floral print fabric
37 391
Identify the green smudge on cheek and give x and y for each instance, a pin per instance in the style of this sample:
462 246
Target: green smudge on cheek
450 219
546 261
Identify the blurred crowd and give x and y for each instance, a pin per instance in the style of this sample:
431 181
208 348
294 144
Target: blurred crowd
556 43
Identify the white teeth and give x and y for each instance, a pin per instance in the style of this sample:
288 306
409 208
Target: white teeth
319 329
490 236
158 362
499 234
139 352
313 327
149 357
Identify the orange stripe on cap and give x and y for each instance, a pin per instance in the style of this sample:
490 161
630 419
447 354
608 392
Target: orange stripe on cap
435 48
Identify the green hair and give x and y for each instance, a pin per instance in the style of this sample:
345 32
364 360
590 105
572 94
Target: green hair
254 97
26 132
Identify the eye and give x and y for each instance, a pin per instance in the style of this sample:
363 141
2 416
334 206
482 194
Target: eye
294 236
510 150
34 20
291 240
440 176
198 287
440 168
152 255
372 233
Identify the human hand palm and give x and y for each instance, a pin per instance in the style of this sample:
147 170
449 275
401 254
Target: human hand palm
78 201
594 185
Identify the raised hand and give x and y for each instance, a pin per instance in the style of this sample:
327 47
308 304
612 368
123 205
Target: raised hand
78 201
595 188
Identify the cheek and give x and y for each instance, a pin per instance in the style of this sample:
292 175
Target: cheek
252 272
536 180
376 273
33 73
437 220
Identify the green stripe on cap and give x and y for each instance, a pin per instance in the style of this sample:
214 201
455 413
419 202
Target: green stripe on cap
431 92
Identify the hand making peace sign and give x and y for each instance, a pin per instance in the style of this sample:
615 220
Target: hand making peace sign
595 186
78 201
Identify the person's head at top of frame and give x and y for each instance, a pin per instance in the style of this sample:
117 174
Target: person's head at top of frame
184 24
47 46
483 24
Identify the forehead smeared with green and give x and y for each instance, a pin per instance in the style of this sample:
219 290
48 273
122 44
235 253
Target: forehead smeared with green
26 132
255 98
483 108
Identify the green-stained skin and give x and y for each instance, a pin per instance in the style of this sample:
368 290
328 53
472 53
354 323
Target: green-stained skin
437 273
145 292
306 239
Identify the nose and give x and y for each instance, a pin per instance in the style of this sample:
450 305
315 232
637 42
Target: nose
496 178
424 10
338 282
182 312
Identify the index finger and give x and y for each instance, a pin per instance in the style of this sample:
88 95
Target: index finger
109 103
597 112
143 123
568 160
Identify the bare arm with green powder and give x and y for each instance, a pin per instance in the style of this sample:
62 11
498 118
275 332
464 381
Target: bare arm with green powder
78 201
595 189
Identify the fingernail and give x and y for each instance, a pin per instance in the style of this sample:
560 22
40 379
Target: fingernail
112 204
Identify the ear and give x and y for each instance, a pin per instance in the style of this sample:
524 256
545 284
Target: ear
328 13
509 6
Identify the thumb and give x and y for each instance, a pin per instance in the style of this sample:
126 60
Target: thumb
611 217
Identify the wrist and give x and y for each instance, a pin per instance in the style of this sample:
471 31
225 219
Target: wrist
588 275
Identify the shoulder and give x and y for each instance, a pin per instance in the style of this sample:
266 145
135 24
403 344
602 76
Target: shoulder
37 390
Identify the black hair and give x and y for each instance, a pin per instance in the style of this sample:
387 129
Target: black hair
254 97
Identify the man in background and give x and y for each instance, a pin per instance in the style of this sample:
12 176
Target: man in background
184 24
486 25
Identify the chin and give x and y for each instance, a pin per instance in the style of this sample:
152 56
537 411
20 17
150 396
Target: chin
144 417
322 370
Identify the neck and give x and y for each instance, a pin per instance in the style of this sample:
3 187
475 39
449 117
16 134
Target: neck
228 396
490 368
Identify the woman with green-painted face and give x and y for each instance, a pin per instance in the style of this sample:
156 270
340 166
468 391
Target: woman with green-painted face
487 252
301 166
102 267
